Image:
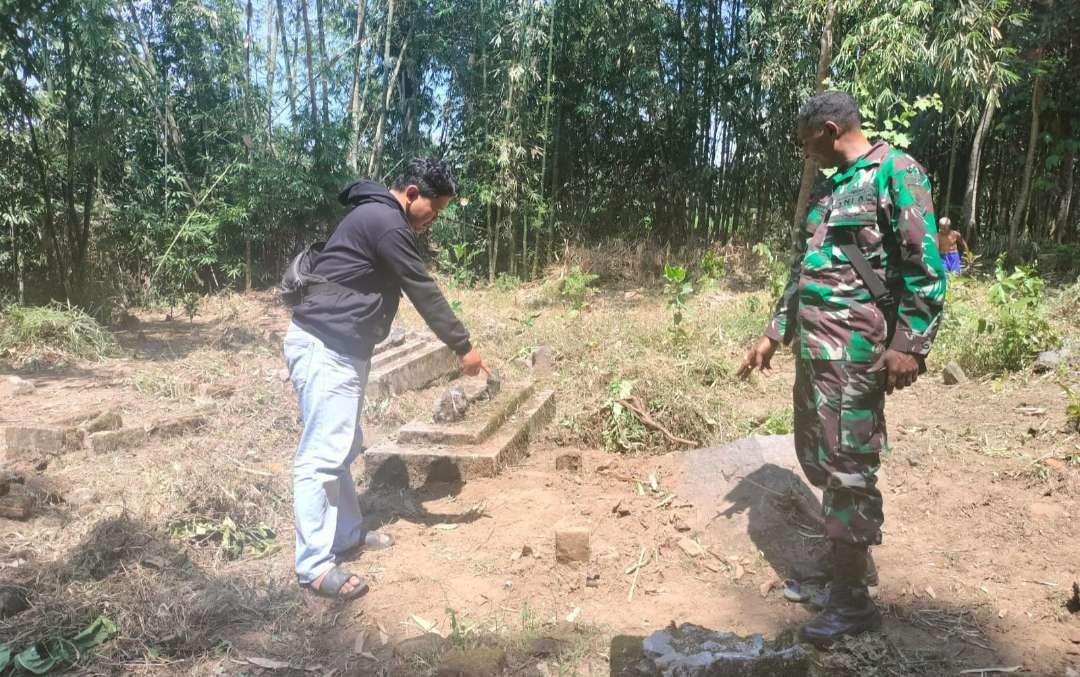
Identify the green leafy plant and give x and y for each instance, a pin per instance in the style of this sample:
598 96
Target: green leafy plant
622 430
711 266
1018 330
678 291
575 286
506 282
232 540
1072 408
457 259
772 266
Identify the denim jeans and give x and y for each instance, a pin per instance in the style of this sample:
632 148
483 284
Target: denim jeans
330 387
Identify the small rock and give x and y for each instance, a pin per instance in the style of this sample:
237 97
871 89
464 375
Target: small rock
1049 360
282 375
1070 672
106 420
547 647
620 510
953 374
592 579
543 360
631 295
452 405
679 525
524 551
83 496
424 646
691 547
13 600
13 386
478 662
569 461
572 544
1074 635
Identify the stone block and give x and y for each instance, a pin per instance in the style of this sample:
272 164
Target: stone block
177 425
572 544
29 443
106 420
477 662
414 364
16 507
398 463
569 461
108 441
693 651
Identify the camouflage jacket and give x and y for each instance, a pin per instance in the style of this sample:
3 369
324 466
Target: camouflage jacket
884 199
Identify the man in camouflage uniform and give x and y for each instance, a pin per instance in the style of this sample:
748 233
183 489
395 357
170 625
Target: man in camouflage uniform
854 346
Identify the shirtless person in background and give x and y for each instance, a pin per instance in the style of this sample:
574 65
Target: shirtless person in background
950 244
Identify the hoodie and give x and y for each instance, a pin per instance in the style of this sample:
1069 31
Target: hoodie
374 253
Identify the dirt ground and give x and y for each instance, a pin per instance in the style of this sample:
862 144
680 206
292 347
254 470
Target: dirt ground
980 551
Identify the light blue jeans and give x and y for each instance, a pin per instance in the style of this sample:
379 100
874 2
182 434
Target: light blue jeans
330 387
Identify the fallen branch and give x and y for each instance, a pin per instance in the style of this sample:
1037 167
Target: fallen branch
637 407
637 572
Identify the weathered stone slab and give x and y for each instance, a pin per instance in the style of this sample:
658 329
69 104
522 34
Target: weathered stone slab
572 544
108 441
398 463
31 442
693 651
752 496
468 432
410 366
177 425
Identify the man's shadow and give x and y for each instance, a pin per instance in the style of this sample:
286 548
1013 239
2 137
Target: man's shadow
784 519
388 495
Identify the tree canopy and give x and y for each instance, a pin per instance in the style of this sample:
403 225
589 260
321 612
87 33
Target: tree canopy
154 147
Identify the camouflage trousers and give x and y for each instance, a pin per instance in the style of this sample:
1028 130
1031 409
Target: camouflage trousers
839 437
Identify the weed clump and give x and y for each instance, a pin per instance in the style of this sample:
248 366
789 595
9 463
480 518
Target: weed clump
52 333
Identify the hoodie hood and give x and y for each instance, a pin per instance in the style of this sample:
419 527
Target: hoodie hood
366 191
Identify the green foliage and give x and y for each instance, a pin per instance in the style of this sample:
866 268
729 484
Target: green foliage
1000 332
505 282
711 266
623 432
574 287
458 261
53 331
1072 408
678 291
772 267
232 541
894 127
779 422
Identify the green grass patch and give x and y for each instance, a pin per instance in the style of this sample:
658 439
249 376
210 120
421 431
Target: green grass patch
54 331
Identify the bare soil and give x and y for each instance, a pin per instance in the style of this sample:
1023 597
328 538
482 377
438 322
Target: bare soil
980 552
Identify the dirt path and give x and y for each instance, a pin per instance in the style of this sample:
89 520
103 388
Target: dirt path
979 555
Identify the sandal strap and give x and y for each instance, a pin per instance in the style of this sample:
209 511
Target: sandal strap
335 579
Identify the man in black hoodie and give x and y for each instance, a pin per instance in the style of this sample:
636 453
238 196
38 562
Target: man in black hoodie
371 257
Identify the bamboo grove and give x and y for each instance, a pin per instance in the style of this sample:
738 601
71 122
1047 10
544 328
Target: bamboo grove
153 147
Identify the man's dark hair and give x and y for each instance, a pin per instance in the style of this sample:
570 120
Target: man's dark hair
431 175
838 107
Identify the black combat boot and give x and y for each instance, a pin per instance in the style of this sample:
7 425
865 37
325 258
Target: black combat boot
849 609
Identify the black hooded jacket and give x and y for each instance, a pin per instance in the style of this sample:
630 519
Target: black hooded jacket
374 253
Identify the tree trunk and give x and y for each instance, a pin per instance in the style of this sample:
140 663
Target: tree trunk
271 67
354 91
1029 165
389 80
952 171
1061 222
290 77
324 66
972 189
309 61
824 60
